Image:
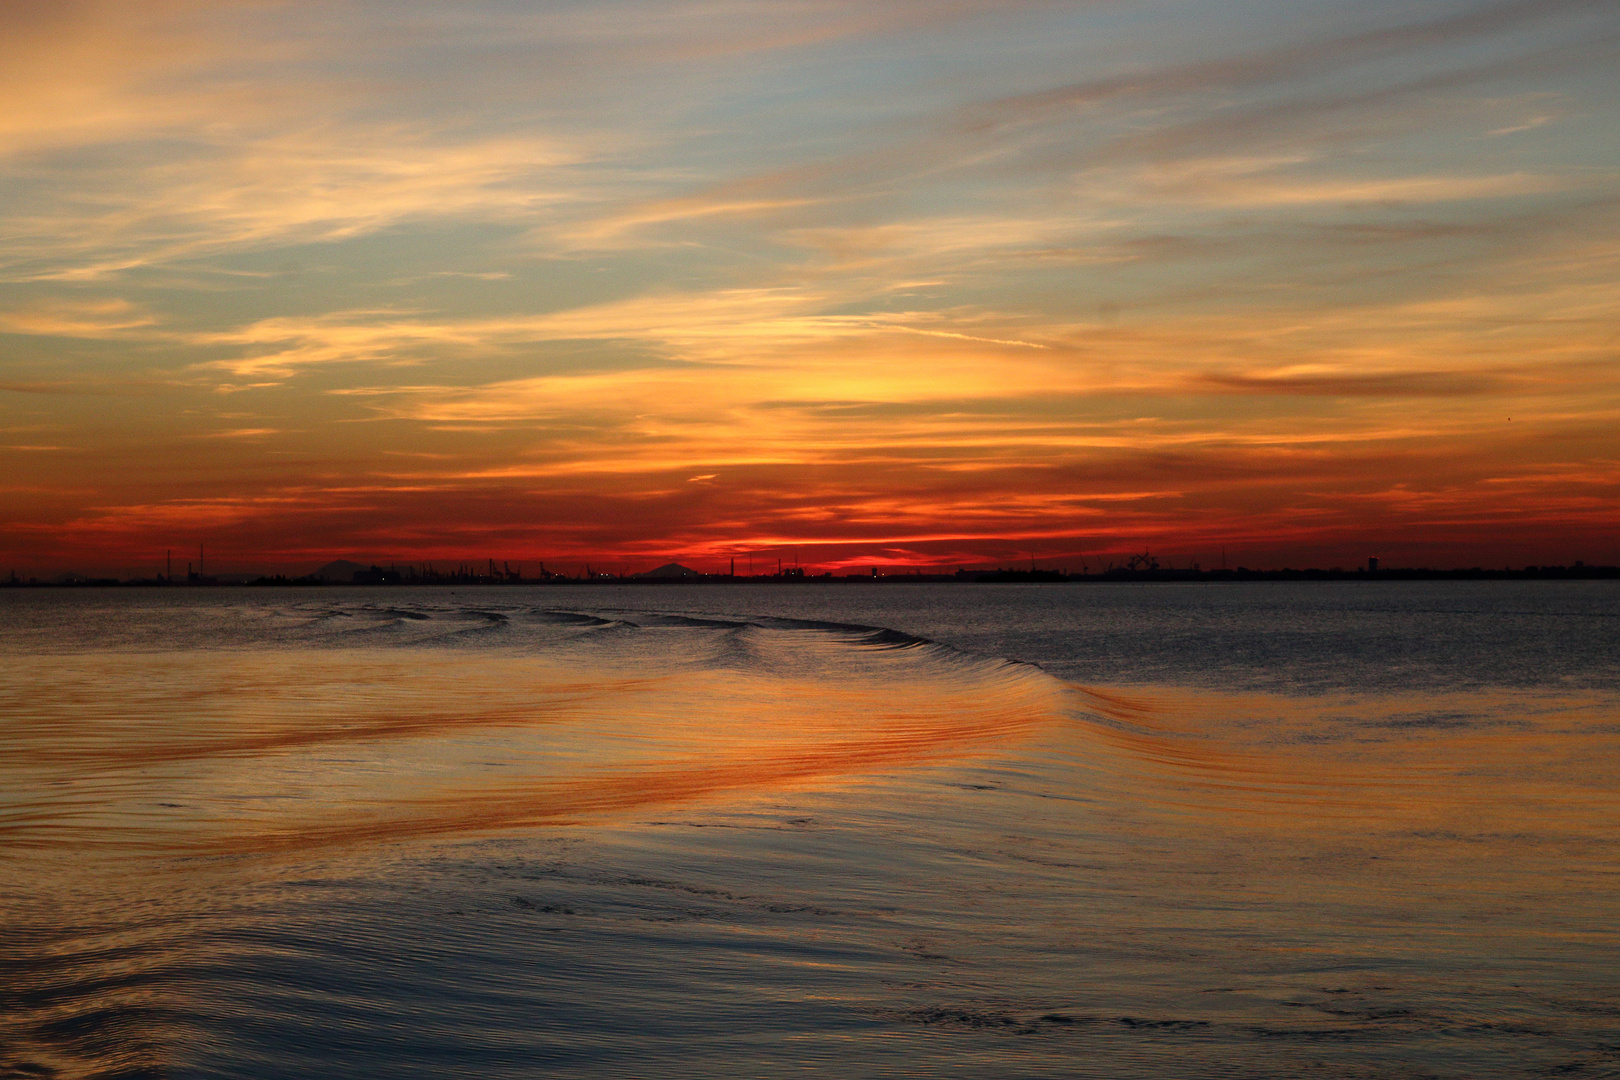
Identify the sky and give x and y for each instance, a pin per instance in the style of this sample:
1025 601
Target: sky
930 283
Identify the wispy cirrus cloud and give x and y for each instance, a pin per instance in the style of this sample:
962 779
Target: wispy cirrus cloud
90 318
744 327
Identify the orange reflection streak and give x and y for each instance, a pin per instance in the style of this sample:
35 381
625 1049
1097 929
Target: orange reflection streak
571 802
205 761
564 704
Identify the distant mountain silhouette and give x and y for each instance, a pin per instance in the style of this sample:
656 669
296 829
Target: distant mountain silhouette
340 571
670 572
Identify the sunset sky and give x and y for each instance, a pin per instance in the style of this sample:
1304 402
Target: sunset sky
876 282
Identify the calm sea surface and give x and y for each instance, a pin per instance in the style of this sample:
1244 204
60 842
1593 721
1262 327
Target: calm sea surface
1264 830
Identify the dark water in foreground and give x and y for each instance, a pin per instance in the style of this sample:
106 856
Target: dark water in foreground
1276 830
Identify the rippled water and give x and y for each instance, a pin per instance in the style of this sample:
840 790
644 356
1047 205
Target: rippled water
1254 831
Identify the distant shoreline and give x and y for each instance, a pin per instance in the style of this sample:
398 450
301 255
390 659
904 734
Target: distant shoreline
968 577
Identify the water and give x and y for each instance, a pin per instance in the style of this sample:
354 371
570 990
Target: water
1271 830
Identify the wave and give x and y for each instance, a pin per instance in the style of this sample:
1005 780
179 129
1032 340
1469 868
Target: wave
415 732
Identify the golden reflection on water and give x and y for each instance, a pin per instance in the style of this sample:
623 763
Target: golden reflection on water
236 753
